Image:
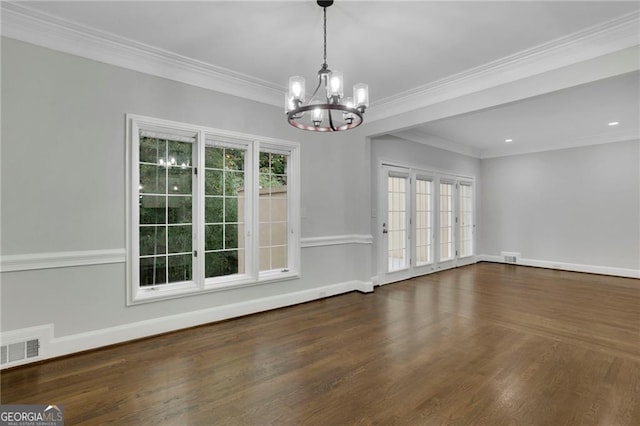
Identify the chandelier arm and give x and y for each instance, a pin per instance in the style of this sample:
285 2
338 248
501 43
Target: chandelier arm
333 127
316 91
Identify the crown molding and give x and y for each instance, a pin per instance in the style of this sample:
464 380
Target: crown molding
29 25
608 37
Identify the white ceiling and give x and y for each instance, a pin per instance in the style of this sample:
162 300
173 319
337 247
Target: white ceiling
393 46
576 116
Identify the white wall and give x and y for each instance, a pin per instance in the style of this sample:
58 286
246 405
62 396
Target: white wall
579 206
63 188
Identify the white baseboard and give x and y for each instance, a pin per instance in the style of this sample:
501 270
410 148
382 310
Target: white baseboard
564 266
58 346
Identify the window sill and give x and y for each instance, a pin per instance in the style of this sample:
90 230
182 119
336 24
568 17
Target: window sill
147 295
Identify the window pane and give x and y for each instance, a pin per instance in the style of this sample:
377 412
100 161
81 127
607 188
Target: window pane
153 271
179 154
221 263
213 184
233 159
179 209
213 237
153 209
213 157
179 180
180 268
230 236
230 209
153 240
213 209
152 150
233 182
152 179
179 239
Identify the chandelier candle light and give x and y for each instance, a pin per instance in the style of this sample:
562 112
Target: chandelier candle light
327 110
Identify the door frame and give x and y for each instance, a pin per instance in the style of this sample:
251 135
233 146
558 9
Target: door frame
436 176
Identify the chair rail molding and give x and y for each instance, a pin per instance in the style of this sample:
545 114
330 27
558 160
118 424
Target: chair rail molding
65 259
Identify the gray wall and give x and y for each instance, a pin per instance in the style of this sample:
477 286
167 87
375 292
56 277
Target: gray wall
63 186
63 189
579 205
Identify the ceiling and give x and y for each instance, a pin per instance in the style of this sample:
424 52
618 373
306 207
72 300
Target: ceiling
576 116
393 46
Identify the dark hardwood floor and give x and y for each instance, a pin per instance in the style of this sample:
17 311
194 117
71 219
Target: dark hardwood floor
486 344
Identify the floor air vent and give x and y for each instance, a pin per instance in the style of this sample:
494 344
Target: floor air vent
15 352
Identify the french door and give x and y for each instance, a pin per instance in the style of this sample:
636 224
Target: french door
426 222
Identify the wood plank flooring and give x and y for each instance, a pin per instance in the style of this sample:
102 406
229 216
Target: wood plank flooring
487 344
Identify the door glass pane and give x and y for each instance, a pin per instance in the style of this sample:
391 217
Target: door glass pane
424 227
396 223
223 210
446 221
465 230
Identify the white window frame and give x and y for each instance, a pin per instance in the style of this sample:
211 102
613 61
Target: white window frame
137 294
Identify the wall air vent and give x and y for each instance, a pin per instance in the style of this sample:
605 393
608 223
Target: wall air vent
510 257
19 351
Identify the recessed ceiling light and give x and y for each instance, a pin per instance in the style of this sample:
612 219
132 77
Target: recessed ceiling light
614 123
508 140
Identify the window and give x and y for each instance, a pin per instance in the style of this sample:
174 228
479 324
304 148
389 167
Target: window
208 209
224 200
165 210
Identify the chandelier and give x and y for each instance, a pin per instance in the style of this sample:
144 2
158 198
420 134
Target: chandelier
326 110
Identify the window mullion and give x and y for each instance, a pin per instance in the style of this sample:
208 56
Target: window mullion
199 176
254 219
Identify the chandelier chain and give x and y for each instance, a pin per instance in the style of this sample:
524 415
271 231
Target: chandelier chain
325 37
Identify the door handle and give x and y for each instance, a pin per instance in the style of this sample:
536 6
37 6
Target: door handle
384 228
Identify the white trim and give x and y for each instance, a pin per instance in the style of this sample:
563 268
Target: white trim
334 240
64 259
33 261
417 136
601 39
564 266
65 345
42 29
